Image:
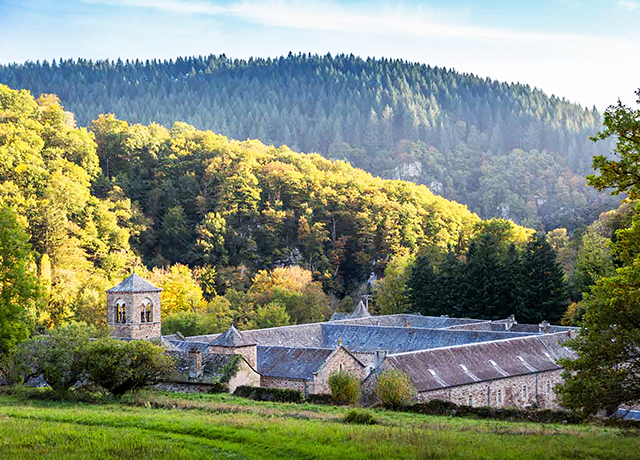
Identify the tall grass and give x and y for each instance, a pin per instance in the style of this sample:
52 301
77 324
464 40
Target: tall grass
176 427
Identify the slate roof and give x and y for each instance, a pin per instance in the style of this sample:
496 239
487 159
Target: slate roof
187 346
231 338
471 363
429 322
291 363
134 283
401 339
500 326
303 335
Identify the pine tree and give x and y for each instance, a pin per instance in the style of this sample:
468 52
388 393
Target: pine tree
545 293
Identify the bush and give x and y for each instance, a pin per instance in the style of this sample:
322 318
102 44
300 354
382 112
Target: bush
59 356
319 399
360 417
119 366
270 394
395 389
439 407
345 388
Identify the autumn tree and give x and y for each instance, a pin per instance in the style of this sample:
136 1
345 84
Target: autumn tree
19 292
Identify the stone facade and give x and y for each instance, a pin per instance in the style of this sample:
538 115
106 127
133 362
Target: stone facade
277 382
528 390
249 352
341 359
133 309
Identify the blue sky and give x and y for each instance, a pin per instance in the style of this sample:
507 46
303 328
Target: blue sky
585 51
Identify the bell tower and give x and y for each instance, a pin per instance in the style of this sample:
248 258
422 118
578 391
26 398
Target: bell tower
133 309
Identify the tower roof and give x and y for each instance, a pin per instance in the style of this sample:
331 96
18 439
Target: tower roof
134 284
231 338
360 312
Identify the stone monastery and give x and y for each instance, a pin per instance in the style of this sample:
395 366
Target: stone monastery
465 361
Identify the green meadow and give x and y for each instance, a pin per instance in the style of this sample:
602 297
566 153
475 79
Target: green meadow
176 426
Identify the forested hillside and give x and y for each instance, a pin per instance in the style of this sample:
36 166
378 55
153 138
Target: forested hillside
236 231
505 150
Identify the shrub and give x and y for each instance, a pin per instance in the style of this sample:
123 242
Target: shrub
319 399
395 389
345 387
269 394
59 356
360 417
120 366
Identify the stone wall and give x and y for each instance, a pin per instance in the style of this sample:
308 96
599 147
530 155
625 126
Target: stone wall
249 352
294 384
528 390
245 376
136 330
340 360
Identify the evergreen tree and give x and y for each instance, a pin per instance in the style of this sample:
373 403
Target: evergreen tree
545 294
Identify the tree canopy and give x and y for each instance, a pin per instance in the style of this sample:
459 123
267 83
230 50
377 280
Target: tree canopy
606 372
505 150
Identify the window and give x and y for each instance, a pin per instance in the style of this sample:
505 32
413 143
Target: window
524 392
340 367
499 396
146 312
121 312
548 387
470 400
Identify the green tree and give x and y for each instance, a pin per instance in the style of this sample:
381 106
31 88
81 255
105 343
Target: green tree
607 369
390 291
60 355
545 291
120 366
622 174
19 292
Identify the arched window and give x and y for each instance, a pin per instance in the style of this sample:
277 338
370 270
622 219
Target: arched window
121 312
499 396
524 392
146 311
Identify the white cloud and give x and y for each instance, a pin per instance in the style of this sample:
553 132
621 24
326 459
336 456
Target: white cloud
628 5
330 16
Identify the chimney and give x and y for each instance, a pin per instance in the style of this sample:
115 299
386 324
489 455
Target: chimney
544 326
195 363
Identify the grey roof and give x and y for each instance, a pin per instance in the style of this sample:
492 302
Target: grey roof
471 363
188 346
337 316
500 326
401 339
289 362
134 283
360 312
626 414
231 338
303 335
400 320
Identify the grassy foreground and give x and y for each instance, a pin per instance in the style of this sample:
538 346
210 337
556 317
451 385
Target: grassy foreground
171 426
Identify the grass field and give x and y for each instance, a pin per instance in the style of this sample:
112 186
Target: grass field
171 426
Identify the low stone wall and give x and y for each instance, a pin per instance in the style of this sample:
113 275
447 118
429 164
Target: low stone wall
294 384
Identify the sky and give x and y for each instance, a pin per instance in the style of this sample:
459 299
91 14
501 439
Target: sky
587 52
